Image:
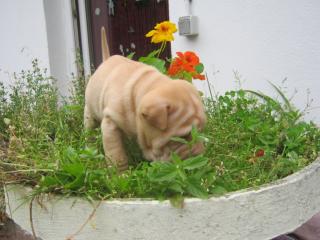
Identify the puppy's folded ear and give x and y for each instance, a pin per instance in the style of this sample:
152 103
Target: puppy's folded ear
156 114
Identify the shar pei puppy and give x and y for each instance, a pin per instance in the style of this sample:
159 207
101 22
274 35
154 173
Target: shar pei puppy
131 98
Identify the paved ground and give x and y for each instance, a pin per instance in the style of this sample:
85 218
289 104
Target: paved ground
308 231
11 231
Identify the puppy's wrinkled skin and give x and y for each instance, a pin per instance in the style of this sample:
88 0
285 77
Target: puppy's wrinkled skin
128 97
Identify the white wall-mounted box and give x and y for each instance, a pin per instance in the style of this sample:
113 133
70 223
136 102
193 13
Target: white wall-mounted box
188 25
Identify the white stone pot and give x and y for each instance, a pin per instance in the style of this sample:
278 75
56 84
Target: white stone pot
251 214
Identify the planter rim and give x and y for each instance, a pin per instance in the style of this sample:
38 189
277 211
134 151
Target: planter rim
294 177
252 214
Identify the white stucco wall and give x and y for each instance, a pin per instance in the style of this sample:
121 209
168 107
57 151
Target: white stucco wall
23 36
262 40
41 29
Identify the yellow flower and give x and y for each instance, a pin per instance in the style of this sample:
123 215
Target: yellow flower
162 32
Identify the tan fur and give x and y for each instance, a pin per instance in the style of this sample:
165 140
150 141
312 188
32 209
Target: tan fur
129 97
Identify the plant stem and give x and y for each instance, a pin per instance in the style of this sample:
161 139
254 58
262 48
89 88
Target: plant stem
163 46
29 170
209 87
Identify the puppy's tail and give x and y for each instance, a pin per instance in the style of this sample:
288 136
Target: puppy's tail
104 45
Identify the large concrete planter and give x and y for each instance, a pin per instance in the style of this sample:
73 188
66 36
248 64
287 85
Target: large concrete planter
252 214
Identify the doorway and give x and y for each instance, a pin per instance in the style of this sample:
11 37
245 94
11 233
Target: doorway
126 23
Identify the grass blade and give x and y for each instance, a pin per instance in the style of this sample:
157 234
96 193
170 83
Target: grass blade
264 97
284 98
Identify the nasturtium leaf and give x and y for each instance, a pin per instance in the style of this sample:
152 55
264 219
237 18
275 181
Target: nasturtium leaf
155 62
199 68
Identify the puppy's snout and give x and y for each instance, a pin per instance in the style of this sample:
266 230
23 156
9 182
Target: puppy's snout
198 149
184 151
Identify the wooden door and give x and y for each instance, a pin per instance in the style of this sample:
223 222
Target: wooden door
126 23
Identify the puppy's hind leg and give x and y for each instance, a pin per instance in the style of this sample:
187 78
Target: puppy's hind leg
89 124
88 120
113 145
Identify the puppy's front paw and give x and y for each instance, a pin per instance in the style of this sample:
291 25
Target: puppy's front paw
112 145
120 162
156 155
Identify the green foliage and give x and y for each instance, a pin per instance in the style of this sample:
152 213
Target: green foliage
130 56
3 107
241 124
195 138
199 68
32 95
154 61
77 174
250 139
181 177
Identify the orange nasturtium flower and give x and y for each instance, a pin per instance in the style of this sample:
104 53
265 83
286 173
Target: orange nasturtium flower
162 32
186 66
